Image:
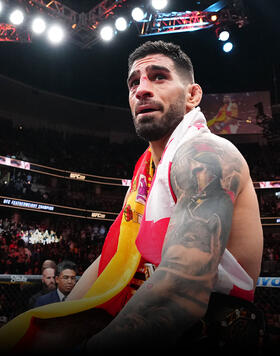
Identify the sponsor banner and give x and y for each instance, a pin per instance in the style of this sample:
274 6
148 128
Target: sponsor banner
26 204
268 282
12 162
19 278
22 279
77 176
56 209
267 184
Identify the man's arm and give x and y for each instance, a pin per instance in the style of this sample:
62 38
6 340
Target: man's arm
205 178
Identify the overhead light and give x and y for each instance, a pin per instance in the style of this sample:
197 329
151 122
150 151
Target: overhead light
16 17
159 4
1 6
55 34
214 17
121 24
137 14
223 35
38 25
227 47
107 33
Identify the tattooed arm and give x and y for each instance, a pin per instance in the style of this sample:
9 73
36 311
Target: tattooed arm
205 176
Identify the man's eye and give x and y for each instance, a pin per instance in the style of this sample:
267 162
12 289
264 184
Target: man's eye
134 83
160 76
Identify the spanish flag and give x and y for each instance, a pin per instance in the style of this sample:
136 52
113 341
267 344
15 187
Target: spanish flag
118 264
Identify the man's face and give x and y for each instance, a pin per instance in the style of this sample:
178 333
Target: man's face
157 96
66 281
48 278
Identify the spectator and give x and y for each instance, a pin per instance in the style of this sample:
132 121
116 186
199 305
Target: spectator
66 273
48 281
48 264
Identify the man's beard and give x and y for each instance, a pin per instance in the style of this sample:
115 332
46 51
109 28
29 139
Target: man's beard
151 129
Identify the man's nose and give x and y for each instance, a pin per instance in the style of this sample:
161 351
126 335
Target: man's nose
144 89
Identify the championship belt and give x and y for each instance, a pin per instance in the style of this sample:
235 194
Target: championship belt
143 272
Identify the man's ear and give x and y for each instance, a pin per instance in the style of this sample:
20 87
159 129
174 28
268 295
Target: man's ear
193 96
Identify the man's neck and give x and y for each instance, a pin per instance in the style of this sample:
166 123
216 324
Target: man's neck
157 148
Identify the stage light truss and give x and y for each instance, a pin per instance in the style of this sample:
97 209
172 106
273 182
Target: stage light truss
82 21
164 23
8 33
216 15
83 26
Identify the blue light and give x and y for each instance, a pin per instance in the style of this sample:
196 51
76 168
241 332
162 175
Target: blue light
227 47
217 6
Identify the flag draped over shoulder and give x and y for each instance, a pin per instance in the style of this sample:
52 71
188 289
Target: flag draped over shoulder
118 264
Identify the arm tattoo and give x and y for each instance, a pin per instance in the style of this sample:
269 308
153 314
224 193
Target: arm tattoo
205 177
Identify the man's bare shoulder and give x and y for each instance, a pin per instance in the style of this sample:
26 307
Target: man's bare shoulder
205 156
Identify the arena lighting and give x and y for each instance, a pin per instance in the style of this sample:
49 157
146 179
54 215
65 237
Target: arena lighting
159 4
1 7
86 26
227 47
107 33
55 34
121 24
137 14
16 17
214 18
38 25
223 36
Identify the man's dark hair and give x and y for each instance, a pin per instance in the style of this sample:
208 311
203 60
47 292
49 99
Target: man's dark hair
181 60
65 265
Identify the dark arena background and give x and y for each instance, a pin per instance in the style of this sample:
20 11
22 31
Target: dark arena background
67 141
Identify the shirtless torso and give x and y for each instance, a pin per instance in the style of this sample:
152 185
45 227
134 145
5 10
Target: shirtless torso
216 209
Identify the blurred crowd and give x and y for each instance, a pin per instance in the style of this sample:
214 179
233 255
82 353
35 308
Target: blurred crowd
271 254
21 254
73 152
51 190
25 244
97 155
269 202
263 160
